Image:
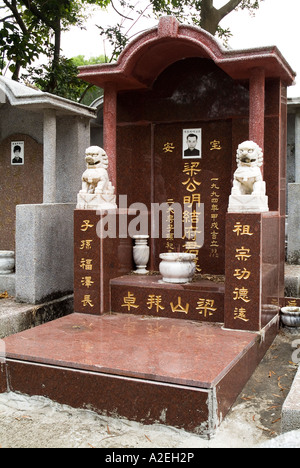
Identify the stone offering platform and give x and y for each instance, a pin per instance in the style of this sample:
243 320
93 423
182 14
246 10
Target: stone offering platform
182 373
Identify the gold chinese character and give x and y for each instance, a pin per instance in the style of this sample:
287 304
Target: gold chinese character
215 225
191 185
86 264
190 199
87 281
243 230
214 243
154 301
215 145
292 303
242 254
86 244
240 313
130 301
191 216
86 224
186 216
214 253
191 168
241 274
168 147
214 185
170 246
206 307
214 207
179 307
87 301
192 245
241 293
190 233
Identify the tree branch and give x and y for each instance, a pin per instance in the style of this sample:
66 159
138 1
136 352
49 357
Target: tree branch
228 8
123 16
36 12
13 8
6 18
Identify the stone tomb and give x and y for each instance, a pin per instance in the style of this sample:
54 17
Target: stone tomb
176 107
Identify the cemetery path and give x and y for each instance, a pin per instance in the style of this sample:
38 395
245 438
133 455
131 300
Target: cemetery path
255 418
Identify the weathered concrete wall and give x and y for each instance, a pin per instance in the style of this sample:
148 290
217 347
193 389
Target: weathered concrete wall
15 120
293 248
44 252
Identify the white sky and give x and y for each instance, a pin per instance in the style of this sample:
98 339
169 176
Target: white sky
275 23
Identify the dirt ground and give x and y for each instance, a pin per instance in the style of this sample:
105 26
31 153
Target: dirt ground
36 422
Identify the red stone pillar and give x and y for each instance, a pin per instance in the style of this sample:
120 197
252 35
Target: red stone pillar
251 270
257 106
98 258
110 130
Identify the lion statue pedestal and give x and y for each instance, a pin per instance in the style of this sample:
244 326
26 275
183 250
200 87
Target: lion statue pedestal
248 194
97 192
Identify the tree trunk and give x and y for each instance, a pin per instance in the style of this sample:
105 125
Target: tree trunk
56 56
211 17
16 73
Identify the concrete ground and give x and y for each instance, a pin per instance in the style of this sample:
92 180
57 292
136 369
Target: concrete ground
255 418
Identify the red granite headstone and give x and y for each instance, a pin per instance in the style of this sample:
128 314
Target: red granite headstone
182 106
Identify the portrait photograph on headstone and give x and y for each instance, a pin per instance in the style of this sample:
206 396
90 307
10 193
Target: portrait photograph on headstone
17 153
192 143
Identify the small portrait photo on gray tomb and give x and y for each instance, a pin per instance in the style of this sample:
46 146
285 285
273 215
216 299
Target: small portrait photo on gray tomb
17 153
192 143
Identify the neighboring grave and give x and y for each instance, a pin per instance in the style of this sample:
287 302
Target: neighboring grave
293 182
42 140
20 182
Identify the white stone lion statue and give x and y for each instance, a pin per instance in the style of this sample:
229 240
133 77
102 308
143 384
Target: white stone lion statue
248 178
248 190
97 191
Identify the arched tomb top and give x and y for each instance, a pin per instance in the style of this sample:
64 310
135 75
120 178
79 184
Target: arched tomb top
153 51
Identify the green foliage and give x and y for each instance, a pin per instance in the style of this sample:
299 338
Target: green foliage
117 38
30 29
65 77
80 60
17 47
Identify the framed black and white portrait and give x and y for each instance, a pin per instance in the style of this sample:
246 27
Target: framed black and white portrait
17 153
192 143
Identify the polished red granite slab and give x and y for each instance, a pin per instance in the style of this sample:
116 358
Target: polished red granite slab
157 349
202 300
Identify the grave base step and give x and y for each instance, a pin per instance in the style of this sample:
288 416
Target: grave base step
180 373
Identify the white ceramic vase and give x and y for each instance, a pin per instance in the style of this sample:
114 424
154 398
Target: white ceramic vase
290 316
177 267
7 262
141 254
